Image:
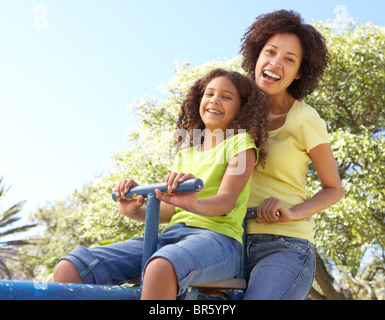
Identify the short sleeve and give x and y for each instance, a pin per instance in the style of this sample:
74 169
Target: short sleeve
313 129
239 143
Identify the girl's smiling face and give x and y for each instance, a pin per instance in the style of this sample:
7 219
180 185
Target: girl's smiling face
278 64
220 104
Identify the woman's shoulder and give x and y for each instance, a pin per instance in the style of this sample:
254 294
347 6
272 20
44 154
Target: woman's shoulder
305 112
311 128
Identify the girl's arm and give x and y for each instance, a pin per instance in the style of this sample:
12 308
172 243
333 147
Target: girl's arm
330 193
231 186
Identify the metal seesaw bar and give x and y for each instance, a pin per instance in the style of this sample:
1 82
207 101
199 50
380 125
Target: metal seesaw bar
35 290
191 185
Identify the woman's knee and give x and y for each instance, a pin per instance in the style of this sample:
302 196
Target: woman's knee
66 272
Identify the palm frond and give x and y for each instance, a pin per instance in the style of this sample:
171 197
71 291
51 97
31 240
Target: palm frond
17 230
14 243
16 208
3 189
8 222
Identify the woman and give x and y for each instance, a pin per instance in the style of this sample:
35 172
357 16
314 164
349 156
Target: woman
286 58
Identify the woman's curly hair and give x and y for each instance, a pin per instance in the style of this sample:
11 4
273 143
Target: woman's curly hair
315 55
252 115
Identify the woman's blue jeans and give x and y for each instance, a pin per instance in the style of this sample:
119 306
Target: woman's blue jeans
279 268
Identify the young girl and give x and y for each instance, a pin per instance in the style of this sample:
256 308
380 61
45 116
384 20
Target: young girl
203 240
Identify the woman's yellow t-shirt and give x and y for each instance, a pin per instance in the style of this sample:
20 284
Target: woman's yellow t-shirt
284 176
210 166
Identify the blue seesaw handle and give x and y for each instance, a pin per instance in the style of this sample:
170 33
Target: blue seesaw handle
191 185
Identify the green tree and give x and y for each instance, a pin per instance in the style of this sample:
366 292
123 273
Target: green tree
8 248
351 94
351 97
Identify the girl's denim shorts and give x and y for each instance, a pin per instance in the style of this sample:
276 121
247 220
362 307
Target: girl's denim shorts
197 255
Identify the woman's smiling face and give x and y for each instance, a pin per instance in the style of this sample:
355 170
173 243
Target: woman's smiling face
278 64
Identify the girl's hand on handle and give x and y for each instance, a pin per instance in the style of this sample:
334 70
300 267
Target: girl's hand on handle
172 179
124 186
129 208
186 201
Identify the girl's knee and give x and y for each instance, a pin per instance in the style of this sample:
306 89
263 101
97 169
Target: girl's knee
159 265
159 281
65 271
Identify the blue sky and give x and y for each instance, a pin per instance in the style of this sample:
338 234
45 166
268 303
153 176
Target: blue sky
68 69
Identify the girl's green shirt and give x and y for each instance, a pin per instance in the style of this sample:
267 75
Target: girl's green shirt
210 166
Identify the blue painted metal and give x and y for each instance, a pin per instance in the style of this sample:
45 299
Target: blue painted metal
250 214
150 229
33 290
191 185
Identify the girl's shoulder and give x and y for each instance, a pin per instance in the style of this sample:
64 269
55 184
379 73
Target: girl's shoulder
238 138
238 143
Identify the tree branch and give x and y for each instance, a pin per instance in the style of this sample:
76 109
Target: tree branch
315 295
326 281
363 284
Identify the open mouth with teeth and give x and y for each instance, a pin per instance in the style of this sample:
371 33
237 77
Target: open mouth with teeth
212 111
270 75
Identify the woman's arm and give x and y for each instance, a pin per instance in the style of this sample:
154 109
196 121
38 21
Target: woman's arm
326 168
229 190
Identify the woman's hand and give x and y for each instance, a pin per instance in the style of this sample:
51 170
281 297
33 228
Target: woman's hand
129 208
273 210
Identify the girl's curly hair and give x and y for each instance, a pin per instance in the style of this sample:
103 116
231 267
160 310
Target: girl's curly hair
315 55
252 115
